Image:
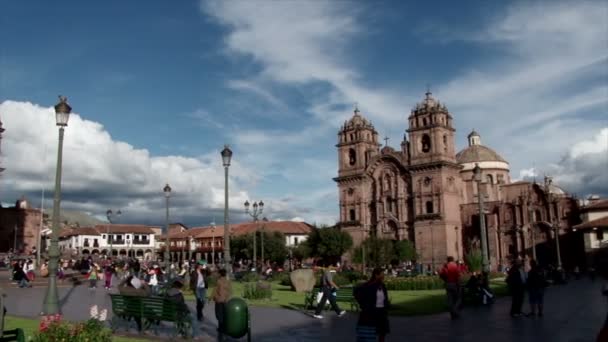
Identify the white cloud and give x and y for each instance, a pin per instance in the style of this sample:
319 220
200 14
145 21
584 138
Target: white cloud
99 172
584 170
296 51
257 89
204 118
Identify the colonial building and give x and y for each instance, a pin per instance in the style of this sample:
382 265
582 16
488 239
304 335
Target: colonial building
131 240
592 233
208 242
424 192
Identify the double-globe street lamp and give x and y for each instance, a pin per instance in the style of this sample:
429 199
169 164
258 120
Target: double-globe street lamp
51 299
258 208
226 157
112 217
482 220
167 192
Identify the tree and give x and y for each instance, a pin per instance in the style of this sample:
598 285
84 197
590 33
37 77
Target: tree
381 252
405 250
274 247
328 243
473 259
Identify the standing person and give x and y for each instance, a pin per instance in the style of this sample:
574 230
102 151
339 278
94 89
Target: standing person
450 274
516 281
221 295
199 285
536 284
93 276
108 273
373 301
328 287
29 270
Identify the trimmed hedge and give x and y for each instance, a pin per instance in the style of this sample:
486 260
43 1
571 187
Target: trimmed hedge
414 283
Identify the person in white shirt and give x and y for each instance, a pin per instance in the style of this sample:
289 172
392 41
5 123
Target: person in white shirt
199 285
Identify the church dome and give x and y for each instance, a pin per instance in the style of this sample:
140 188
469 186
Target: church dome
429 105
357 121
477 153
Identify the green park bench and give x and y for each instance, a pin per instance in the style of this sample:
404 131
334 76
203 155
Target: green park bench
151 311
344 295
13 335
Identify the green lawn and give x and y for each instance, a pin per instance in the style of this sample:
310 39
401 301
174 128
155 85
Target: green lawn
403 303
30 326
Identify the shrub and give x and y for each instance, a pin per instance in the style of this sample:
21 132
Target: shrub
258 290
283 278
353 276
250 277
414 283
91 331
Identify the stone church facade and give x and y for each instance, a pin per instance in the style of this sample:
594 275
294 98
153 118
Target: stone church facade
424 192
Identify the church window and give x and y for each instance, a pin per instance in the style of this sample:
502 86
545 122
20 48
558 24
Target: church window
490 179
500 179
352 157
429 207
352 215
352 137
426 143
445 142
389 205
600 234
423 121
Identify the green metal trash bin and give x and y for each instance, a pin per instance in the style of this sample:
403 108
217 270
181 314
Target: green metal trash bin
237 319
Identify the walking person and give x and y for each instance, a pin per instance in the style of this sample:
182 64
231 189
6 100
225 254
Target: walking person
516 281
450 273
328 288
221 295
199 285
536 284
373 301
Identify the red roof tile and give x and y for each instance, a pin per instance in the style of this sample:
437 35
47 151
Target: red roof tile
599 205
601 222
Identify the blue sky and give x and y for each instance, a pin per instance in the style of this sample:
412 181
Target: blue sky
160 86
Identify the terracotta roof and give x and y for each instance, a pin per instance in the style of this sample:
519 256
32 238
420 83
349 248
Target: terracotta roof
78 231
601 222
478 153
285 227
124 228
598 205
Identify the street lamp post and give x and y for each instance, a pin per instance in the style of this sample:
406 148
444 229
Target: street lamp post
258 208
51 299
551 202
110 216
213 243
226 156
531 227
482 220
167 192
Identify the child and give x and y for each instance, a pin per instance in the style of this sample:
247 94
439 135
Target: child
93 278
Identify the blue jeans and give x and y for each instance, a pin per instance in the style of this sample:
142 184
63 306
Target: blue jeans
201 296
24 283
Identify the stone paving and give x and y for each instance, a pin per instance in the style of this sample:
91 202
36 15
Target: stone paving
574 313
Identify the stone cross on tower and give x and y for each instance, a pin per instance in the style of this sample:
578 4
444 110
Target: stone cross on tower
386 139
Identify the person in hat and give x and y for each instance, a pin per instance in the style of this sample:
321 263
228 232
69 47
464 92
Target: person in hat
199 285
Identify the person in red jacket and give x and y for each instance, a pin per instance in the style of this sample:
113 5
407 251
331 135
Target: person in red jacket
450 273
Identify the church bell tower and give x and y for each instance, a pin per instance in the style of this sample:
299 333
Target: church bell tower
435 182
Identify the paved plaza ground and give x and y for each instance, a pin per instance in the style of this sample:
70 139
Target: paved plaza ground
574 313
